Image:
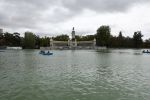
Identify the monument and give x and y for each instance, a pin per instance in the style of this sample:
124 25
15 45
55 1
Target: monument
72 43
73 34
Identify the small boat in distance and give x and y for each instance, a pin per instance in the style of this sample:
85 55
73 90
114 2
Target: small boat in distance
41 52
145 51
45 53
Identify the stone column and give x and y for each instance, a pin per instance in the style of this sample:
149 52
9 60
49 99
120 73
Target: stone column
51 43
75 43
69 43
94 42
73 34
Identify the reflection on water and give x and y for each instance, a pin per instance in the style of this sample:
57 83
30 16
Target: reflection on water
75 75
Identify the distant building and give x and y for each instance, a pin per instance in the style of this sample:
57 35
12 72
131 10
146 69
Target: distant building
72 43
1 31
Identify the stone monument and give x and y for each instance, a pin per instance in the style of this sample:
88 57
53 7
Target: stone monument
73 42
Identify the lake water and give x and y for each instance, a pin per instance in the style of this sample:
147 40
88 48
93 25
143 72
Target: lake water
75 75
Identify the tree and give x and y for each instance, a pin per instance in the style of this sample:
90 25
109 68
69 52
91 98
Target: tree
137 39
85 38
128 42
61 38
37 42
45 42
78 38
103 36
29 40
114 42
120 39
16 39
147 43
1 39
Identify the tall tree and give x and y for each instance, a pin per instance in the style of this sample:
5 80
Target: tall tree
137 39
37 42
29 40
103 36
45 42
8 38
1 39
16 39
120 39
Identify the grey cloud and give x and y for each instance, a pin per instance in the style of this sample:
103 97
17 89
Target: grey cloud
28 13
23 13
101 5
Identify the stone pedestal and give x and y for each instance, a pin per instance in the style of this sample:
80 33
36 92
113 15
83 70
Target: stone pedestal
51 43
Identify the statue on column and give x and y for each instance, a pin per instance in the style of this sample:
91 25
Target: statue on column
73 29
73 40
73 34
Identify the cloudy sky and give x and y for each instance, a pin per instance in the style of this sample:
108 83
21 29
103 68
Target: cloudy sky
55 17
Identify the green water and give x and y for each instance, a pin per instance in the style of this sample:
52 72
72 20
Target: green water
75 75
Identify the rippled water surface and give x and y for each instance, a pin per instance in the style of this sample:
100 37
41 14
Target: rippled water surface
75 75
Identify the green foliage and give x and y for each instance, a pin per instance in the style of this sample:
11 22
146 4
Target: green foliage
85 38
16 39
147 43
121 41
8 39
1 40
45 42
37 42
103 36
137 39
61 38
127 42
29 40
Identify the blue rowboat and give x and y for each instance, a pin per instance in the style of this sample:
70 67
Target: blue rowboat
48 53
146 51
45 53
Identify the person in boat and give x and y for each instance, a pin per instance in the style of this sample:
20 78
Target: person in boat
143 51
48 52
147 51
42 51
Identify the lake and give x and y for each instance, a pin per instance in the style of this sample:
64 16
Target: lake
113 74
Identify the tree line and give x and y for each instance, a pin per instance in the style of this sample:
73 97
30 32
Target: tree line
103 37
29 41
32 41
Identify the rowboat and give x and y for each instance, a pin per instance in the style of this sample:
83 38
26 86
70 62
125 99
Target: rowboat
45 53
146 51
48 53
